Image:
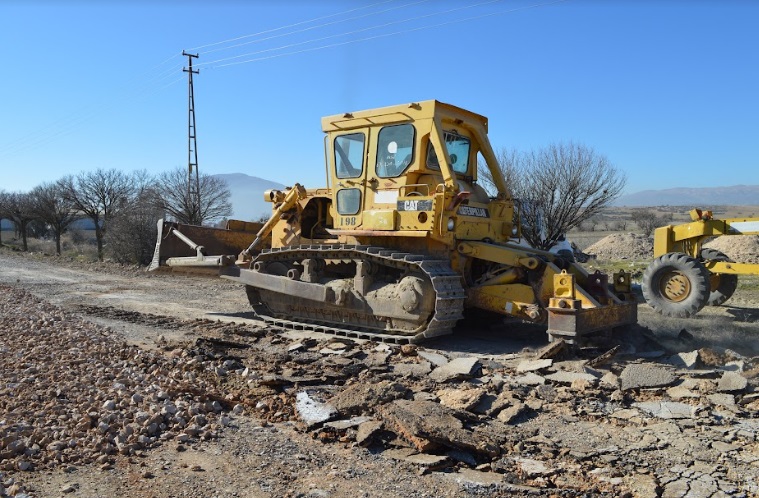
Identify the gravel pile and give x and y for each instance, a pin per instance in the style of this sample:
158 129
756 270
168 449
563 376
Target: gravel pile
740 248
622 246
70 393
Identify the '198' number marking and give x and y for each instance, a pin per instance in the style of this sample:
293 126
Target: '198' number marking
349 221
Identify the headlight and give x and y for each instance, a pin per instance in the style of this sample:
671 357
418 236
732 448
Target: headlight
451 224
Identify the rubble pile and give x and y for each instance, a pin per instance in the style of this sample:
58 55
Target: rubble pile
739 248
71 393
622 246
633 420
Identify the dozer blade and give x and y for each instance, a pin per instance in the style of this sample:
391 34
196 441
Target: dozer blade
198 249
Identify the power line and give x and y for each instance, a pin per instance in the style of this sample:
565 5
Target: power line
55 131
318 26
385 35
69 123
289 25
391 23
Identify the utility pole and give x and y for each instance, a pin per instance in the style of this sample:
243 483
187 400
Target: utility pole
192 146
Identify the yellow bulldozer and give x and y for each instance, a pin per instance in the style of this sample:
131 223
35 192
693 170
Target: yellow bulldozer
685 276
402 241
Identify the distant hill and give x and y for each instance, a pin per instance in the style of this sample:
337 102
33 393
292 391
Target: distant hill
738 195
248 195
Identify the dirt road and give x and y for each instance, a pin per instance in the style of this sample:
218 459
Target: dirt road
647 423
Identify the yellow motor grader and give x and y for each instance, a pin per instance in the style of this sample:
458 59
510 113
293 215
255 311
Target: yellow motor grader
403 240
685 276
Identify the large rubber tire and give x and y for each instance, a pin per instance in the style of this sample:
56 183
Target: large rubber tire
676 285
722 285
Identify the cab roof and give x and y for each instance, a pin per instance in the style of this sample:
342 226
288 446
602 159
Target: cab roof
402 113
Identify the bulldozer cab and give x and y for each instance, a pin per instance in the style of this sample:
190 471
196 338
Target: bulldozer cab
398 169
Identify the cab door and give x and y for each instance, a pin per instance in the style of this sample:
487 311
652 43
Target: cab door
350 151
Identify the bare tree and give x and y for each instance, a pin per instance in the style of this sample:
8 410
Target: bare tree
132 234
557 188
4 211
51 206
99 195
21 212
647 220
173 197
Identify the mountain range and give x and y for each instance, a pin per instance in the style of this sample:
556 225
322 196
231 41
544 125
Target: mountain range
737 195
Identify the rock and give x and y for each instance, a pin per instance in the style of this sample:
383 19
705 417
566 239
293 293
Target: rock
485 405
530 468
376 359
431 462
731 382
533 365
411 369
476 479
570 377
435 359
69 488
722 399
341 425
330 351
644 375
409 350
109 405
460 399
296 346
311 411
398 453
642 485
680 392
530 379
610 380
723 447
510 414
358 398
604 358
552 350
426 424
367 431
424 396
458 368
667 409
688 360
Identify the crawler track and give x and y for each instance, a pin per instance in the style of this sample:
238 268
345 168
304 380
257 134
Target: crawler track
449 293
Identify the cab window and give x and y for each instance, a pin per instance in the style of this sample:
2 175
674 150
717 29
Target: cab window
395 150
349 155
458 150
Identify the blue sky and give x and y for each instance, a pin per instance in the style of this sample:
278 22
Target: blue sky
668 91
